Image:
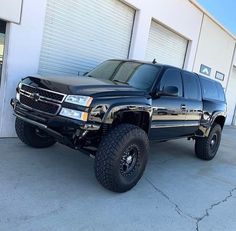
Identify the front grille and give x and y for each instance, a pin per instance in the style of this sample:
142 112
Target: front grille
48 108
54 96
40 99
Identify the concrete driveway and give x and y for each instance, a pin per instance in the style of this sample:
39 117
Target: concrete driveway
55 189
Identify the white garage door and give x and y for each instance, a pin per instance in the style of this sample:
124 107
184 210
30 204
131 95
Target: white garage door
79 34
166 46
231 99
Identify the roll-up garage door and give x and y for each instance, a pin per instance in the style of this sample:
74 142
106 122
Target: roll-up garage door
79 34
166 46
231 99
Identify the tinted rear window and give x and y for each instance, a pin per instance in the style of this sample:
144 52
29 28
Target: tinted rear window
212 89
221 92
172 77
192 89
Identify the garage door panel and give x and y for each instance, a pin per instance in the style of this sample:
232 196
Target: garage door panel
231 99
79 34
166 46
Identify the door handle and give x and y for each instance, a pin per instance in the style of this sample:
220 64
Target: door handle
183 107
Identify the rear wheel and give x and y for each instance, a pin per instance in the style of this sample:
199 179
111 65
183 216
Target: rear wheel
121 158
206 148
32 135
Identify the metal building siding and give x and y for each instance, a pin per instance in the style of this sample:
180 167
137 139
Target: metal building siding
231 99
166 46
79 34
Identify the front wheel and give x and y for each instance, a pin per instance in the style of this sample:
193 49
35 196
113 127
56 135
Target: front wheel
206 148
32 135
122 157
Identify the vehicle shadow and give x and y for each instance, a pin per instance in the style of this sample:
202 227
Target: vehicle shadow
60 165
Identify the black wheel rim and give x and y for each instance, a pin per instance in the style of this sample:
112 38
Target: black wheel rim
214 143
129 160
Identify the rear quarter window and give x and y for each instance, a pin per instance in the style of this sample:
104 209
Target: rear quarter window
212 90
192 89
221 92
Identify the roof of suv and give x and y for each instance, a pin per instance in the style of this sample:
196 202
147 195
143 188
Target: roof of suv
151 63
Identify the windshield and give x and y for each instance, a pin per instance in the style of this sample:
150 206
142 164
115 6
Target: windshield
138 75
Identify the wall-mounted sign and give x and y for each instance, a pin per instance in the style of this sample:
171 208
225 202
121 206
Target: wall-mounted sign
220 76
205 70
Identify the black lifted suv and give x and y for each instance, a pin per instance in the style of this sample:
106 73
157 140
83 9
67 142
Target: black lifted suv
113 111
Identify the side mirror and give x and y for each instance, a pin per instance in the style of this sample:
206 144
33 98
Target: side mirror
169 91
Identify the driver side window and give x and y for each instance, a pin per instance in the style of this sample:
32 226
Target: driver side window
172 78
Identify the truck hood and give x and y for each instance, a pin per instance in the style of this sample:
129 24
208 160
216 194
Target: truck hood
80 85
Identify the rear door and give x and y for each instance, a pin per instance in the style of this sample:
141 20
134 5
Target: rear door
193 101
169 113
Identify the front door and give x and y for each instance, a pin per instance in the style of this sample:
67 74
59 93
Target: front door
169 112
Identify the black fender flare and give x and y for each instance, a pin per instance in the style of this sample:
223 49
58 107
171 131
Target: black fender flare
207 127
113 111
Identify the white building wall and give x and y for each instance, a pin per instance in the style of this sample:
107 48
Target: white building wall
234 61
231 94
231 98
22 57
215 50
24 42
178 15
10 10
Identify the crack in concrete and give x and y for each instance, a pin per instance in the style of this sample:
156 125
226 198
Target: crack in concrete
26 218
212 207
45 214
177 208
182 213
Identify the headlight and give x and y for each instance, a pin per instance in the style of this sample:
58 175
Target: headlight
79 100
74 114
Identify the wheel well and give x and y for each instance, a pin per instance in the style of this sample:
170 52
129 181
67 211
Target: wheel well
220 120
140 119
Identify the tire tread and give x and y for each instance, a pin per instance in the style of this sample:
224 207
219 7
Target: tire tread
202 144
25 134
107 154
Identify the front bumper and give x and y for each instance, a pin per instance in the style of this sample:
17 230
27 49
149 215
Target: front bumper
51 121
53 125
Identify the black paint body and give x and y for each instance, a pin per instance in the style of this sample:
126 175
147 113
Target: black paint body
163 116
